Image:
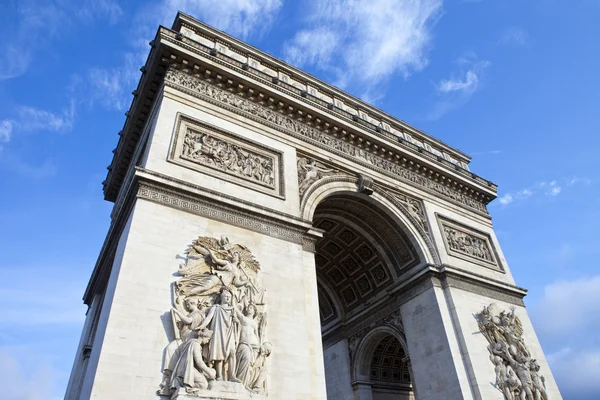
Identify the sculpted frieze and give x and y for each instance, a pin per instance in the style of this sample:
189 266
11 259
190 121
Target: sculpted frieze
211 93
310 171
200 146
203 148
469 244
517 373
219 325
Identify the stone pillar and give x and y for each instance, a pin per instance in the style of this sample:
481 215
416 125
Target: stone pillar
362 391
437 366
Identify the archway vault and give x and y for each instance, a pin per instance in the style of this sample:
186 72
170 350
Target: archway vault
361 253
397 208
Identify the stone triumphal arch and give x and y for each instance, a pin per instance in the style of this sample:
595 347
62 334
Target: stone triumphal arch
275 238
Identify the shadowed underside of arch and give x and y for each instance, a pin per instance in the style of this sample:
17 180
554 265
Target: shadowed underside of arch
360 254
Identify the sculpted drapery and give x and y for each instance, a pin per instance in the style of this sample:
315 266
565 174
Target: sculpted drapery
517 373
219 321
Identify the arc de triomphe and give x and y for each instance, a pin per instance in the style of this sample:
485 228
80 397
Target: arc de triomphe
274 237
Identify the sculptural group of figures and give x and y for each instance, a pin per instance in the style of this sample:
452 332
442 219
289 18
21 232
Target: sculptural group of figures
517 374
218 320
209 150
468 244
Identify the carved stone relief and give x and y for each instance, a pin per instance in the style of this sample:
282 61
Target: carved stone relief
517 374
414 208
310 171
200 146
210 93
469 244
219 323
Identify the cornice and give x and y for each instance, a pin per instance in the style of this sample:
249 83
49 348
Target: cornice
241 75
241 51
171 47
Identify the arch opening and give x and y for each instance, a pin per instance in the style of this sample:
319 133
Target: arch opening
362 254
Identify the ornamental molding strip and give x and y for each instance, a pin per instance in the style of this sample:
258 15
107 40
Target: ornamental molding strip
517 373
469 244
219 211
403 170
219 347
214 151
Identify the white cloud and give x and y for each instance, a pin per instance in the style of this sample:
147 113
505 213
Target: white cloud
514 35
458 90
576 372
236 17
506 199
555 191
111 86
28 119
35 119
567 317
6 129
365 41
569 306
41 21
469 84
550 188
25 380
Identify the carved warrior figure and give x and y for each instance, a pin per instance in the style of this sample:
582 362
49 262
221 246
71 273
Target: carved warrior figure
214 339
517 374
310 171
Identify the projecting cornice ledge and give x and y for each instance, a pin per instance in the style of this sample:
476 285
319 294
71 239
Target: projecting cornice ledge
361 125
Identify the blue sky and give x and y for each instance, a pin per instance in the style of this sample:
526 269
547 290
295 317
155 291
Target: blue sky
513 83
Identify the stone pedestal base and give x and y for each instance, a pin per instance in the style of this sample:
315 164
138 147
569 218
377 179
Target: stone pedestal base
220 390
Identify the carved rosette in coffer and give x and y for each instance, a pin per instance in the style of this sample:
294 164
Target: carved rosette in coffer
227 156
469 244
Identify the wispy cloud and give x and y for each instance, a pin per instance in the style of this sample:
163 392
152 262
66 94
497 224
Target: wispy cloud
364 42
515 36
41 21
458 90
29 119
6 129
112 86
26 380
551 188
480 153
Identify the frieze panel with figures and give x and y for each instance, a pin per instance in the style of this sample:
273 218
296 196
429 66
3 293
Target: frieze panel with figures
201 146
469 244
220 344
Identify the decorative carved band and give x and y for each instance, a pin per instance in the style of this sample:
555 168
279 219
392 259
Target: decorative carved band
221 212
469 244
235 103
201 146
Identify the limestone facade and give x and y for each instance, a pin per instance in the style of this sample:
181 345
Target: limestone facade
376 250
